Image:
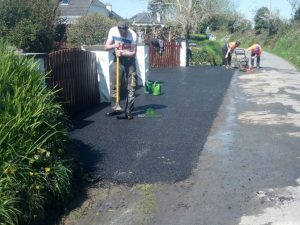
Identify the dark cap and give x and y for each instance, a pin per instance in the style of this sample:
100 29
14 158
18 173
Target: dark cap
123 24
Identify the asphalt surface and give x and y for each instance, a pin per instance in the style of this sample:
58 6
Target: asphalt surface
147 150
247 172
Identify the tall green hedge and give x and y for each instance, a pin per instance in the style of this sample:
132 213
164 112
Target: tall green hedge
34 166
207 53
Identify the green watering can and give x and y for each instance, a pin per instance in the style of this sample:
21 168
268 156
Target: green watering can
156 89
148 86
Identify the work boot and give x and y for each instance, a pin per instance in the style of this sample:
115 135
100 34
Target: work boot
127 116
112 113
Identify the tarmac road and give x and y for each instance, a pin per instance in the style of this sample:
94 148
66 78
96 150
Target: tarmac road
248 172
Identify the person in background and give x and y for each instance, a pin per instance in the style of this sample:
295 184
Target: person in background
124 41
227 50
256 51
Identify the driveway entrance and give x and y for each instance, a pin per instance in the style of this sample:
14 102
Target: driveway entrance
164 148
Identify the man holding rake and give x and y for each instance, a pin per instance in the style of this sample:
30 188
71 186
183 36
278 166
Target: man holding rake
124 41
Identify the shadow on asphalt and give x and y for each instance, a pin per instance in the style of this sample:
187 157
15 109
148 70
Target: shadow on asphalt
142 109
161 149
80 121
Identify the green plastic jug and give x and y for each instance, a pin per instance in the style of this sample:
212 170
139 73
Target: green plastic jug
156 89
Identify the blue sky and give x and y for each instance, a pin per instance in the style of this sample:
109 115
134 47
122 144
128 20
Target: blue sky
128 8
248 8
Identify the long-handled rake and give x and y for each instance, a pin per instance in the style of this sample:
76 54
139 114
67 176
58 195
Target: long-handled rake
117 106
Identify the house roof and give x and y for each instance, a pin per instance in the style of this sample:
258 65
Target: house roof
75 8
144 18
78 8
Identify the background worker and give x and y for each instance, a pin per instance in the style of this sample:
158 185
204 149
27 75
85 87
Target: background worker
124 41
227 50
256 51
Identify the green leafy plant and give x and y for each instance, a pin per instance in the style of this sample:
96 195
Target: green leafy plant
34 162
90 30
29 24
8 212
198 37
209 53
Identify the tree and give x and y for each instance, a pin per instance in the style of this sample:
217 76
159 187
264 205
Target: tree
189 14
295 5
261 19
268 21
237 22
297 14
156 6
29 24
90 30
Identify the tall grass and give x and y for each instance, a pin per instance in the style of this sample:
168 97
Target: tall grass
34 167
288 45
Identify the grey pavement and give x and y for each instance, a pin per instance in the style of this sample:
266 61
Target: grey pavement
249 170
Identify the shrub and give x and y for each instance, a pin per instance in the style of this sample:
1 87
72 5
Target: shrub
287 45
198 37
209 53
34 168
89 30
29 24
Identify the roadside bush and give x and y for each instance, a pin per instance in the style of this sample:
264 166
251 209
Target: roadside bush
34 166
288 46
209 53
198 37
89 30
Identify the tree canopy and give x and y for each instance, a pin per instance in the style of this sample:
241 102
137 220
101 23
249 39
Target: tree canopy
29 24
90 30
261 19
190 14
297 14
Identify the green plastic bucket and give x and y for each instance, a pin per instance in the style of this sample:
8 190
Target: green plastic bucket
156 89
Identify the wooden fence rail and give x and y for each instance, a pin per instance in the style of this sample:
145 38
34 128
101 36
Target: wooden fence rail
74 73
166 56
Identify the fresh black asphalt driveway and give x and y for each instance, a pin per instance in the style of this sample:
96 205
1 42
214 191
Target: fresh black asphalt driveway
164 148
247 172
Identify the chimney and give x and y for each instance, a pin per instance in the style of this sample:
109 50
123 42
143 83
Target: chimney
109 7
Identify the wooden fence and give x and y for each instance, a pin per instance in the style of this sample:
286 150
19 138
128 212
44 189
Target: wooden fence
166 56
74 73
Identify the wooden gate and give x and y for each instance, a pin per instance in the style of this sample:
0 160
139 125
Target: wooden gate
167 55
74 73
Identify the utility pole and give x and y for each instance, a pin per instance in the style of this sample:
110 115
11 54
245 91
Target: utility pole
270 16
